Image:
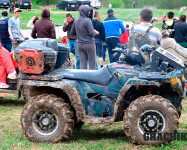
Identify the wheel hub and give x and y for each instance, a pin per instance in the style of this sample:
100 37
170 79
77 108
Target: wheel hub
45 121
151 121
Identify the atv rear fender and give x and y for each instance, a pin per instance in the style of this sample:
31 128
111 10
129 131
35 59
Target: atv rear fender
60 88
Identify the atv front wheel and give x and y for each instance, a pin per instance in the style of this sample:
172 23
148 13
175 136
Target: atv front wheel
179 110
150 114
47 118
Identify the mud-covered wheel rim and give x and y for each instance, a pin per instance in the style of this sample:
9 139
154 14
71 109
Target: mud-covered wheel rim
150 114
151 121
45 123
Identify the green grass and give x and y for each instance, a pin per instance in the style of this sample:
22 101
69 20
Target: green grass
90 136
58 16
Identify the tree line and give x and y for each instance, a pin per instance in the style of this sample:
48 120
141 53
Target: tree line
159 4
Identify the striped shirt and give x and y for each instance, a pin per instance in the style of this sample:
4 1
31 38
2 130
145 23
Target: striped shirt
154 33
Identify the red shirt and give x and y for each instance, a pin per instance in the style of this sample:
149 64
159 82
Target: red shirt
124 38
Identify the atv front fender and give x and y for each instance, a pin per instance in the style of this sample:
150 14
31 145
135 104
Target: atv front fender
119 106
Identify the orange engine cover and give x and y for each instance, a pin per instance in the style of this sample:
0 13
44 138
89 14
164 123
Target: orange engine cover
31 61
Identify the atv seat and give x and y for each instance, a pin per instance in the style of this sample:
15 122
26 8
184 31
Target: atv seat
101 77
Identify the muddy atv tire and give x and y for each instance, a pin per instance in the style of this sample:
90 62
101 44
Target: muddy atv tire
78 125
179 110
25 93
151 113
47 118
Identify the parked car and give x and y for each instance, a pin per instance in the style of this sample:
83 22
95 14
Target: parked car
95 4
83 2
25 4
4 3
67 5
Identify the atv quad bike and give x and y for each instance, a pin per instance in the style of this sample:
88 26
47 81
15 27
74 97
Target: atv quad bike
145 98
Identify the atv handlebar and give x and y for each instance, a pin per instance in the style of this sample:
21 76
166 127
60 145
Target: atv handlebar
18 41
120 49
123 49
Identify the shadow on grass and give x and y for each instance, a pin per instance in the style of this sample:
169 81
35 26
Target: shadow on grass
6 101
87 134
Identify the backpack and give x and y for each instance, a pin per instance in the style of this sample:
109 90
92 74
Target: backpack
137 40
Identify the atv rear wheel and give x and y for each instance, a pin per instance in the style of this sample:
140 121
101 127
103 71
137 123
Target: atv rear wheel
150 114
47 118
25 93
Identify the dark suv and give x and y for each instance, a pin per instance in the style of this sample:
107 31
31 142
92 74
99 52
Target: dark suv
83 2
67 5
4 3
25 4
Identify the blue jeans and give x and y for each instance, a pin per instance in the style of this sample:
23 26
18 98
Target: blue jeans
73 47
104 51
112 43
7 44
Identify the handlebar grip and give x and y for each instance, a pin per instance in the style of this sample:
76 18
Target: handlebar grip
115 54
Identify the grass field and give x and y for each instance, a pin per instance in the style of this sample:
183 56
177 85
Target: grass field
90 136
58 16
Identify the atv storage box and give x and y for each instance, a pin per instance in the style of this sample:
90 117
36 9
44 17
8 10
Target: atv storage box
63 51
49 48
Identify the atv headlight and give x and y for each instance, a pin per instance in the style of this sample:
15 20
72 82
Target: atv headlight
174 80
183 78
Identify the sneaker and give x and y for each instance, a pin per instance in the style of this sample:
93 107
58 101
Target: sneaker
4 86
12 75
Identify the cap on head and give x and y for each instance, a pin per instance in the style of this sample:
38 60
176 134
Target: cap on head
4 13
17 10
110 11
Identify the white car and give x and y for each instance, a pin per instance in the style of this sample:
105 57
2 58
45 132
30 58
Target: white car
95 4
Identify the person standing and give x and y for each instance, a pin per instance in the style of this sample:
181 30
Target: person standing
44 28
16 5
169 24
72 43
154 33
12 7
4 35
98 26
144 33
134 4
112 28
83 29
14 27
181 31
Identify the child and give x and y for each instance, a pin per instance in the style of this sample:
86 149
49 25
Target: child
124 38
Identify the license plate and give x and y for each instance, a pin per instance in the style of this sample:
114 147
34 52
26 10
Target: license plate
26 4
72 5
4 3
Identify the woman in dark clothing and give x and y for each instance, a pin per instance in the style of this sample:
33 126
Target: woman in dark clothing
181 31
44 28
83 29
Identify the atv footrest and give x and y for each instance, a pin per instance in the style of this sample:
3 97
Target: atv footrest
8 91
